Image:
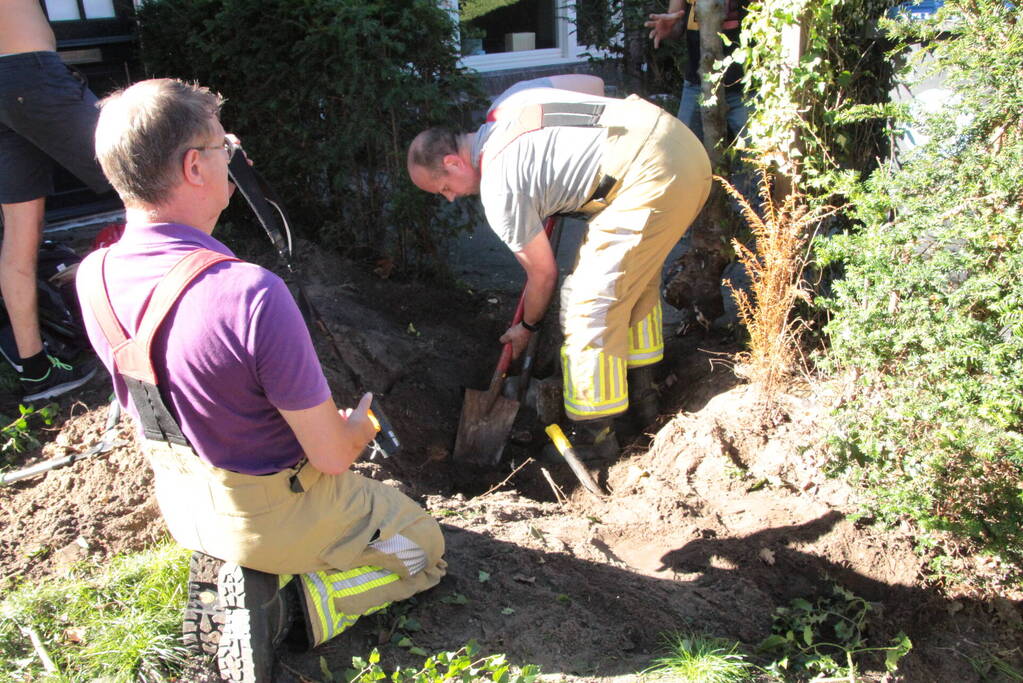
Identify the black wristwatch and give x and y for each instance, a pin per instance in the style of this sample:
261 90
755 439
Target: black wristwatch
534 327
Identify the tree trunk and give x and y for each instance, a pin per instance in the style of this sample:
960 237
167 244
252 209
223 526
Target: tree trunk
635 56
710 14
696 284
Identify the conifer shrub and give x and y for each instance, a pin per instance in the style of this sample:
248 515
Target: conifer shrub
326 96
928 317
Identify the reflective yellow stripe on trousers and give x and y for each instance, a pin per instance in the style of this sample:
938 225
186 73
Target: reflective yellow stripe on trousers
595 385
646 339
322 588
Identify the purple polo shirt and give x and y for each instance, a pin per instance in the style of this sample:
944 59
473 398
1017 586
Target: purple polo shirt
231 353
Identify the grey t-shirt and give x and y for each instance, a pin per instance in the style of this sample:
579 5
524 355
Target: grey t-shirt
548 171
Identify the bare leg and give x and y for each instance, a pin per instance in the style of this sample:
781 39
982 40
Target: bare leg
23 231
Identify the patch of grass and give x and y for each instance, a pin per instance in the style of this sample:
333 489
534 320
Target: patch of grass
118 622
990 666
701 659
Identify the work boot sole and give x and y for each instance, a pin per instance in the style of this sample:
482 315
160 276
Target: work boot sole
245 653
203 622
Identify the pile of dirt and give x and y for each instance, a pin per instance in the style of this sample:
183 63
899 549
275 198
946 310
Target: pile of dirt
712 521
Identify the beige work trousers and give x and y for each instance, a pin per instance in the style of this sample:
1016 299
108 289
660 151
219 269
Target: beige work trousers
339 522
663 180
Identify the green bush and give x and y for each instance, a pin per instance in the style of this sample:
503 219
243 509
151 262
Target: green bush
326 95
929 314
821 119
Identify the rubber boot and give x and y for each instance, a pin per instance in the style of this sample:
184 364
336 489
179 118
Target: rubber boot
643 408
594 439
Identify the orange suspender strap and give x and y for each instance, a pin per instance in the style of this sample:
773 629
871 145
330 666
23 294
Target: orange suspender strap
132 355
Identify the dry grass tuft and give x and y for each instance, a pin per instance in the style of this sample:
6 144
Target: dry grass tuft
781 239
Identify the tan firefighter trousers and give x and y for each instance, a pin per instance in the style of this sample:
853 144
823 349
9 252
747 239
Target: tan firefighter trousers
611 304
368 538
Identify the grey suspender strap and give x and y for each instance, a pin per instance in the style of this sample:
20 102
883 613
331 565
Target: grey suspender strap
571 114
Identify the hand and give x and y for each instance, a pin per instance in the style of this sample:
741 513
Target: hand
662 26
361 427
518 337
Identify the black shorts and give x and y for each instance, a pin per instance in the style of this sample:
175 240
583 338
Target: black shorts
47 115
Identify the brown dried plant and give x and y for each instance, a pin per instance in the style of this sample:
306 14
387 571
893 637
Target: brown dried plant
782 234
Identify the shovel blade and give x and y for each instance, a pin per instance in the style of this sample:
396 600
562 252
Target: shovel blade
482 433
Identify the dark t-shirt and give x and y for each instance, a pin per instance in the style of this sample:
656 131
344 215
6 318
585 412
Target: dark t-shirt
735 12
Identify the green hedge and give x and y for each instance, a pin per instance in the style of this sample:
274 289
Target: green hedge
326 95
929 314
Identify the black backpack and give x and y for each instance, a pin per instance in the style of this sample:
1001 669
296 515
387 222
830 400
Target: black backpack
60 315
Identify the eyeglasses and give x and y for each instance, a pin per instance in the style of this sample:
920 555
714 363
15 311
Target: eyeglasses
228 145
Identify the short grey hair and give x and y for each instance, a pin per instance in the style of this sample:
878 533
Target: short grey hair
144 130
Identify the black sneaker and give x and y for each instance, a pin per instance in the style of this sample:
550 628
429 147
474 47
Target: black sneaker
59 379
255 622
203 622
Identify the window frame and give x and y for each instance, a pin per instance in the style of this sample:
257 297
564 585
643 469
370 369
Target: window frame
83 33
567 52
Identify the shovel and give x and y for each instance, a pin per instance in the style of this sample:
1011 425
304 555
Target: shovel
487 419
487 416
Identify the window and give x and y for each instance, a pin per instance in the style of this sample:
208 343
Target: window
509 34
75 10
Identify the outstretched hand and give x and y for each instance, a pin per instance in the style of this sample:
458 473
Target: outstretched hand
662 26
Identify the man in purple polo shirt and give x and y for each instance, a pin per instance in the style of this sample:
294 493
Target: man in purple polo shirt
238 372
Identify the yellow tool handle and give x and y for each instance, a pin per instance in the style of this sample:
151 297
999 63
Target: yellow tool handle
373 420
558 437
564 447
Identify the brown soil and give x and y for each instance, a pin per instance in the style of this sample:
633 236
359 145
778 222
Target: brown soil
721 517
